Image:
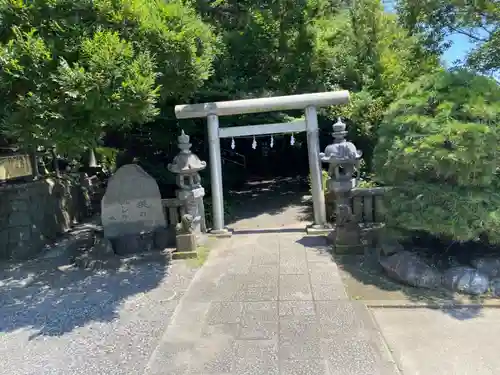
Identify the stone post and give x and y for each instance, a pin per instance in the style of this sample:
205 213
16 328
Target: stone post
344 160
187 166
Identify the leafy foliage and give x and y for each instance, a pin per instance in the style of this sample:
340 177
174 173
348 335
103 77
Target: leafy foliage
107 157
363 49
479 21
438 145
324 179
73 69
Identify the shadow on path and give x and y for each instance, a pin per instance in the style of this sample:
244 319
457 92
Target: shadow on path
269 230
365 280
51 298
273 203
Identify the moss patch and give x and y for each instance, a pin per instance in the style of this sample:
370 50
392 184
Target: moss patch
202 253
184 254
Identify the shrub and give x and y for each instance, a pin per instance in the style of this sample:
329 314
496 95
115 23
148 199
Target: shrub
324 177
107 156
438 145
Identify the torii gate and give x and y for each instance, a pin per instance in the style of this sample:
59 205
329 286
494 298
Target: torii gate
306 102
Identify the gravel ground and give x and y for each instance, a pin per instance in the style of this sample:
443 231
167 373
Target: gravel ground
57 319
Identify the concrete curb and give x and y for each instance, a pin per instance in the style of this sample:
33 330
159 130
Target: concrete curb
430 305
168 335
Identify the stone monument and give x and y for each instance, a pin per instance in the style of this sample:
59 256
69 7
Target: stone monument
344 160
187 166
131 211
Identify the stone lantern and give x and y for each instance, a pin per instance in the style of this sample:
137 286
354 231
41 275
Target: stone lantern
187 166
344 160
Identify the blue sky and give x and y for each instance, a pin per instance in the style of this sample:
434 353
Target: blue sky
461 45
457 51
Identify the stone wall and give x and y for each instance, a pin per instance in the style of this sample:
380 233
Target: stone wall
35 213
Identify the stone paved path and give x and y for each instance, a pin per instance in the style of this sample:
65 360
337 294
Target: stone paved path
282 202
268 304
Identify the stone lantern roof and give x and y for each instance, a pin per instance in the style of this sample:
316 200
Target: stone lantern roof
340 151
186 162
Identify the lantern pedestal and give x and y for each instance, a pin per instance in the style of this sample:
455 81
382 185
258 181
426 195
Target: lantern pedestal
346 239
186 243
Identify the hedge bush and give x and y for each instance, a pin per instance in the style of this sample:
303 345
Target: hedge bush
438 145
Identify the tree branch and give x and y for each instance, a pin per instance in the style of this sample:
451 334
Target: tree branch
468 34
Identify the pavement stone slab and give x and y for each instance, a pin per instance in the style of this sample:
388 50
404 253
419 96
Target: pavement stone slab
293 267
324 273
224 312
304 367
263 276
299 338
213 355
231 330
263 311
295 288
296 308
265 258
258 330
353 355
256 357
341 317
300 348
328 292
305 326
256 294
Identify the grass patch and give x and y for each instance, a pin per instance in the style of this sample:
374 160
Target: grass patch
184 255
202 253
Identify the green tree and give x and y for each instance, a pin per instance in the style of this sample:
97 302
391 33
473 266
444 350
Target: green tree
433 20
267 44
363 49
439 147
73 69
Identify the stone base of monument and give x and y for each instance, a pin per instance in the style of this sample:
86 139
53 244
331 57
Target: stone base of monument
162 238
347 240
97 256
134 243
